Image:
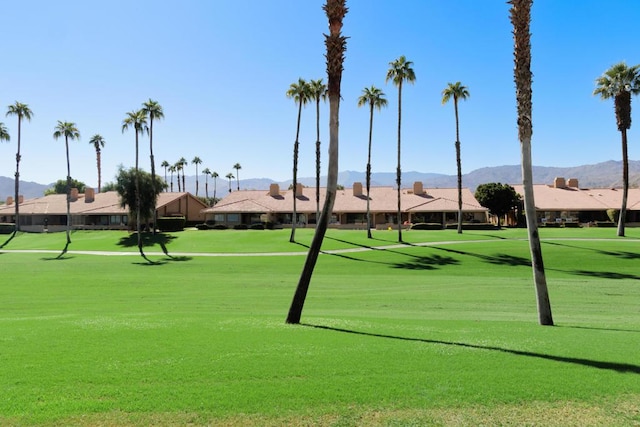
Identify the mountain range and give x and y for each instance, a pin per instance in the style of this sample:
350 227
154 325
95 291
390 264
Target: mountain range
601 175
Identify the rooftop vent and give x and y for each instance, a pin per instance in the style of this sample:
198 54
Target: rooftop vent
559 182
417 188
357 189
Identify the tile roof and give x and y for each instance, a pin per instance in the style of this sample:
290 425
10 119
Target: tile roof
550 198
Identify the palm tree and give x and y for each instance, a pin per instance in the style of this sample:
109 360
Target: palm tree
317 93
172 169
374 98
520 18
457 92
215 176
229 176
138 121
4 133
237 167
165 165
400 72
206 172
98 142
153 111
336 46
183 163
178 167
69 131
620 82
196 161
22 111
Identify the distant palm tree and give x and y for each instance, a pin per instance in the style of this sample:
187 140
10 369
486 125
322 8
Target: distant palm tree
178 167
521 19
317 93
457 92
374 98
165 165
69 131
237 167
184 163
206 172
153 111
138 121
196 161
98 142
172 169
620 82
300 93
4 133
215 176
22 111
401 70
229 176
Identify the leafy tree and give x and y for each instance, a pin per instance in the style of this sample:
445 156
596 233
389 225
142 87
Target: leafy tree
620 82
237 167
196 161
317 93
374 98
109 186
4 133
154 111
520 15
206 172
60 187
499 198
165 165
138 121
23 112
70 131
229 176
457 92
336 45
98 142
401 70
300 93
139 199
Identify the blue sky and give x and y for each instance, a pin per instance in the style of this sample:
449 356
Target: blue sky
221 69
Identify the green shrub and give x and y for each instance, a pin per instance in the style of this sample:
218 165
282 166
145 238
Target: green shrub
257 226
426 226
571 225
6 228
240 227
171 223
219 227
605 224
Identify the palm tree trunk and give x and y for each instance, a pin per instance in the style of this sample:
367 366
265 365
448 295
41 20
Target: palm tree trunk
138 212
238 178
294 216
184 185
206 187
215 189
197 183
16 228
520 17
99 161
625 184
153 173
66 143
399 170
459 166
317 159
368 182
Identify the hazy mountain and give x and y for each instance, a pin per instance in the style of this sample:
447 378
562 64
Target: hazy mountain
602 175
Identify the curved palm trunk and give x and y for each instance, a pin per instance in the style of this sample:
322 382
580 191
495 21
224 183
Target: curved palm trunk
459 165
368 183
153 173
17 183
317 159
336 44
625 184
66 143
294 216
399 170
520 18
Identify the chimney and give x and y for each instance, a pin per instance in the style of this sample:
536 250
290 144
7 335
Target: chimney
89 195
559 182
20 199
298 190
9 200
417 188
357 189
74 194
573 182
274 190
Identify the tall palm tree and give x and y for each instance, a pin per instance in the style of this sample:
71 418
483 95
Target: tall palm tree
237 167
70 131
196 161
172 169
457 92
401 70
336 45
184 163
206 172
138 121
178 167
317 93
4 133
165 165
620 82
299 91
374 98
521 18
229 176
215 176
23 112
153 111
98 143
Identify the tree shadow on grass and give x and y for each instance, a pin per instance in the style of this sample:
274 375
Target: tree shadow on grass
593 328
6 242
606 274
148 239
617 254
612 366
496 259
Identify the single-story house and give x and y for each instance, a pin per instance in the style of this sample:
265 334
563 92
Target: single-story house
90 210
434 205
565 201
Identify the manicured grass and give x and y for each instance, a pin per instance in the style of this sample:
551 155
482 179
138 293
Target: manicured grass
442 334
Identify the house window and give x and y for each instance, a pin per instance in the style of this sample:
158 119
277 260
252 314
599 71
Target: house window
218 217
233 217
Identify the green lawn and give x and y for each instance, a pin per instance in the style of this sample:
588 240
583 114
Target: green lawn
441 331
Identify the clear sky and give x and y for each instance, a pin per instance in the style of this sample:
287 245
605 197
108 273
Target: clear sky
220 69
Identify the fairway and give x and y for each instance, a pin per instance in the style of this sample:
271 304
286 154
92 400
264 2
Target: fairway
441 330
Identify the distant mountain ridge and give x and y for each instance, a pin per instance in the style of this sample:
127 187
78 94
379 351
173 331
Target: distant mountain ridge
601 175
